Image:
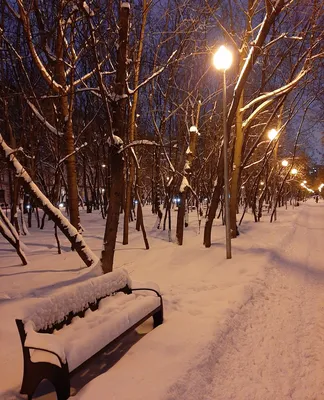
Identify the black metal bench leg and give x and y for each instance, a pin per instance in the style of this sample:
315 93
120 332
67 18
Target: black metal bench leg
61 383
158 318
30 383
36 372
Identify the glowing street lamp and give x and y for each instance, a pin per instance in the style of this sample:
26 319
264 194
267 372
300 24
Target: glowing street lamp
223 60
284 163
294 171
272 134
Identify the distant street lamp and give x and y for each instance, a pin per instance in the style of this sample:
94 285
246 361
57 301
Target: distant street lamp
272 134
284 163
223 60
294 171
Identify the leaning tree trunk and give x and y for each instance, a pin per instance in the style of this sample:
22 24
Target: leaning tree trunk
116 142
54 213
9 232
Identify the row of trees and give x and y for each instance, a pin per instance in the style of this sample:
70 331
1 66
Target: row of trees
110 102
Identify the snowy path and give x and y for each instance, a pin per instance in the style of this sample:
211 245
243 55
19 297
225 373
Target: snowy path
273 348
241 329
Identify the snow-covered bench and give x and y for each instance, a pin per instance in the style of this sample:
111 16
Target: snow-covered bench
65 330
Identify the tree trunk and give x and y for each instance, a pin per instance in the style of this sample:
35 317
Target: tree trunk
66 110
9 232
132 123
117 161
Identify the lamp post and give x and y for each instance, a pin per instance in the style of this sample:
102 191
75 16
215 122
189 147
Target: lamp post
272 135
223 61
294 172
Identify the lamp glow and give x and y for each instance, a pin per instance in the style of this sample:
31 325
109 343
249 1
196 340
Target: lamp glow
222 59
294 171
272 134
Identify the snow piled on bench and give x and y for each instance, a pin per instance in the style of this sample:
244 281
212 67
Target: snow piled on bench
76 298
84 337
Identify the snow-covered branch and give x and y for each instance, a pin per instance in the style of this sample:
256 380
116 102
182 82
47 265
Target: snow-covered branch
28 32
277 92
73 152
257 162
142 142
50 127
154 75
257 111
274 40
90 74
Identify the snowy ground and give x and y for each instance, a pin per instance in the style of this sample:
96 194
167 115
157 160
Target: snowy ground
247 328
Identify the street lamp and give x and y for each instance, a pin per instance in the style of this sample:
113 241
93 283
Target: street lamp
223 60
284 163
272 134
294 171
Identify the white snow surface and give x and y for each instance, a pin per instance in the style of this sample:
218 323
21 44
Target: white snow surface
249 328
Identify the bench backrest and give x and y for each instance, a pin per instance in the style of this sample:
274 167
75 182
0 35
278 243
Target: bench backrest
58 310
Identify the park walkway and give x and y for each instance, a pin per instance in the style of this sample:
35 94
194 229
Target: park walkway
274 347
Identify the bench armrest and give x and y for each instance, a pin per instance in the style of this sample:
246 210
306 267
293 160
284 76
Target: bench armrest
152 290
48 351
